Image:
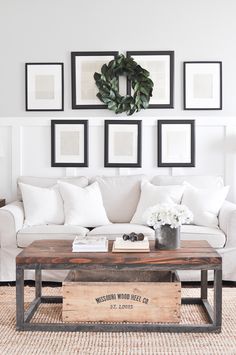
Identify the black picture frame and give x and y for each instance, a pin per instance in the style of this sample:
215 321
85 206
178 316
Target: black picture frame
138 162
186 91
29 106
173 164
54 162
74 55
171 55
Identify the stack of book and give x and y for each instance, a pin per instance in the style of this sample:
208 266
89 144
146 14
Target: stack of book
126 246
90 244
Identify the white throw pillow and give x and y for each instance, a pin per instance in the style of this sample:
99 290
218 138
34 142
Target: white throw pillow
83 206
42 205
120 196
205 204
152 195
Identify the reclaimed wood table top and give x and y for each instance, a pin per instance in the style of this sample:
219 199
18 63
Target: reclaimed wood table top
192 254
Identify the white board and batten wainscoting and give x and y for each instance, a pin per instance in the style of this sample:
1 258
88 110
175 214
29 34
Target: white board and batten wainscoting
25 149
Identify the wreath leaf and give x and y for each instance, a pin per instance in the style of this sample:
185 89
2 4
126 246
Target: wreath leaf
108 85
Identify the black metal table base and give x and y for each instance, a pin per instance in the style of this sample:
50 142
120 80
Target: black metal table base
23 318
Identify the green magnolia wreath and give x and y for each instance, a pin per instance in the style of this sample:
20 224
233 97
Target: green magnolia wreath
108 84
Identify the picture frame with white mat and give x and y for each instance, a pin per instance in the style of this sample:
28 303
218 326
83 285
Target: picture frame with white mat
176 143
123 143
69 143
44 86
203 85
83 67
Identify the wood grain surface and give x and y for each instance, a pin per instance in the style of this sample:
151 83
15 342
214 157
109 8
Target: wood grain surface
57 252
126 302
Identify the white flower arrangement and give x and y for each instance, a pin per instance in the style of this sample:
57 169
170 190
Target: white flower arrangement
173 215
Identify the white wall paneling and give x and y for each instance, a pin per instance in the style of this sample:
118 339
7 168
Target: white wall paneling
25 149
16 156
6 171
229 148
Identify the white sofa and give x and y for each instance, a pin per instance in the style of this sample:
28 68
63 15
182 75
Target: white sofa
120 197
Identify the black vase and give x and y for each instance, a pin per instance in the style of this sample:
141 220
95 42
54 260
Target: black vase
167 238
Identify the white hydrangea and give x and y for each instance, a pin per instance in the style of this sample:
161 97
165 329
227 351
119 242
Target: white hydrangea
161 214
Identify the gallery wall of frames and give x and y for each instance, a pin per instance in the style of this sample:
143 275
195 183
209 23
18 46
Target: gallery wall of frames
53 145
44 91
44 82
123 143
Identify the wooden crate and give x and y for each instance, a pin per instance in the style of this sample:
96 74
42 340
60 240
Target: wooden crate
117 296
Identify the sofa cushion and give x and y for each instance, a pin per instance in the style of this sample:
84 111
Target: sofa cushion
198 181
83 206
205 204
112 231
214 236
28 235
42 205
81 181
120 196
152 195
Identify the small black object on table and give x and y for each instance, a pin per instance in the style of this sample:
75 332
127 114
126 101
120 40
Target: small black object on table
134 237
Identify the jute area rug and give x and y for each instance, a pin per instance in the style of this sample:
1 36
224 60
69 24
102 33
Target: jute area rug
42 343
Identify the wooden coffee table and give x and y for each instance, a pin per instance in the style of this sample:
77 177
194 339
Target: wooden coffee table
57 255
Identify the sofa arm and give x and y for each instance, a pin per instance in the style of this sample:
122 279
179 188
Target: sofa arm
227 222
11 221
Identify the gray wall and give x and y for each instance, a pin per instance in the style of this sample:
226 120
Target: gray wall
48 30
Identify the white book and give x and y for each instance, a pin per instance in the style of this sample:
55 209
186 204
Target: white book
90 244
120 243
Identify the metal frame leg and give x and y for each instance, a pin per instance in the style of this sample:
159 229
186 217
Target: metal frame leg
204 280
23 318
218 297
19 297
204 300
38 296
38 283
